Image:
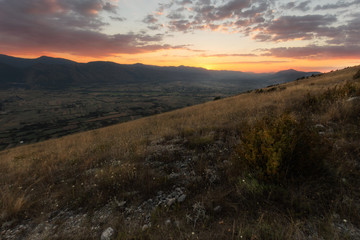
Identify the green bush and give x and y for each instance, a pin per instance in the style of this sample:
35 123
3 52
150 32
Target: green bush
277 149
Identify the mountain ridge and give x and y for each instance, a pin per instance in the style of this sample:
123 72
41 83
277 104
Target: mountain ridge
58 73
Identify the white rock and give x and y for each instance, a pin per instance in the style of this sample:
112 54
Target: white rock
145 227
319 126
217 209
171 201
107 234
120 204
353 99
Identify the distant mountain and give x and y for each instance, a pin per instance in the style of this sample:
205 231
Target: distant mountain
57 73
23 62
289 74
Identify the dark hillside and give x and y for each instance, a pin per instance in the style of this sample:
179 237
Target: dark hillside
282 162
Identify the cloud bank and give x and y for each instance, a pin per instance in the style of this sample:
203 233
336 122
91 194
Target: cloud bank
72 26
332 33
78 27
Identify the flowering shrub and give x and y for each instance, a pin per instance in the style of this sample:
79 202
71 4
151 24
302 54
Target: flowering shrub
278 149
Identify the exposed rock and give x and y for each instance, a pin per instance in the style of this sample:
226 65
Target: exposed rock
107 234
352 99
174 175
120 204
167 222
181 198
145 227
171 201
319 126
211 175
217 209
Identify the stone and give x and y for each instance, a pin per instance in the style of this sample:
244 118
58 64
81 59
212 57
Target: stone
181 198
167 222
353 99
121 204
319 126
171 201
217 209
174 175
107 234
145 227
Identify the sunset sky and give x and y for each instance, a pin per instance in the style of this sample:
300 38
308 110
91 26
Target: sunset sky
241 35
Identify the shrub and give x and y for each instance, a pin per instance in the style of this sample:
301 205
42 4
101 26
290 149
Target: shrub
217 98
357 75
279 149
322 101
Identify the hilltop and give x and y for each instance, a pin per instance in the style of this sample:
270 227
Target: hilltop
281 162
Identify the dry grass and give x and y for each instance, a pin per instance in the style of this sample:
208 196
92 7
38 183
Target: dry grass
92 168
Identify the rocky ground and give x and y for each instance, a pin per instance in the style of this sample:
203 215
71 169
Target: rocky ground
67 223
183 167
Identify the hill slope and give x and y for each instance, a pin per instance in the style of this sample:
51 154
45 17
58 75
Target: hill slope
280 163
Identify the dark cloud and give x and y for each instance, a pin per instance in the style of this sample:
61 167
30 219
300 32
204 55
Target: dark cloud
180 25
302 6
342 42
289 5
148 38
265 21
67 26
296 27
351 32
150 19
339 4
163 6
207 14
110 7
231 9
316 52
175 15
184 2
120 19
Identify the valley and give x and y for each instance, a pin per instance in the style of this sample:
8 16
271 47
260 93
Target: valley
48 97
28 116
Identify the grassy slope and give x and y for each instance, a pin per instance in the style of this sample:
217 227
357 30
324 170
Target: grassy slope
86 171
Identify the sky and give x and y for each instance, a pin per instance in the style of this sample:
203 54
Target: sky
240 35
